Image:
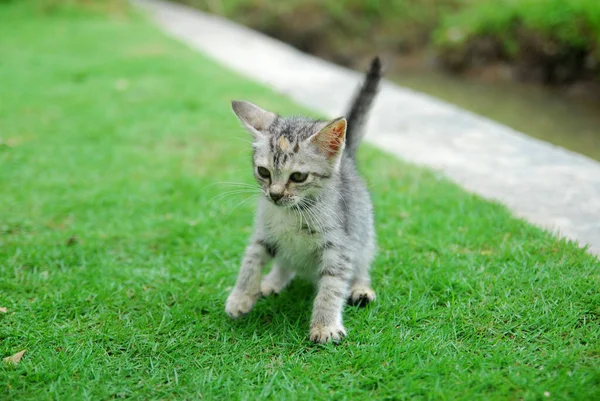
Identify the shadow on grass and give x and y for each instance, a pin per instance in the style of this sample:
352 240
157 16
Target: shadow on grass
280 317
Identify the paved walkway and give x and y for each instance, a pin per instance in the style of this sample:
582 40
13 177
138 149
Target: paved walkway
549 186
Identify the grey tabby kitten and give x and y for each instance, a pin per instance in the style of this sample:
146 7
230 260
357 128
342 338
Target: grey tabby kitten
316 219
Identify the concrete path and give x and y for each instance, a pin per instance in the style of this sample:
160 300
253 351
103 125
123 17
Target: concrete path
549 186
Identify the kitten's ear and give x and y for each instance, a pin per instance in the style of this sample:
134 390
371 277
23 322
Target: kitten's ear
254 118
330 140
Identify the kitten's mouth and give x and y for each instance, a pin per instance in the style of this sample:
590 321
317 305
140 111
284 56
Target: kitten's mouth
282 202
293 202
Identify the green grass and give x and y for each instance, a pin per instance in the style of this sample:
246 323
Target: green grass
116 260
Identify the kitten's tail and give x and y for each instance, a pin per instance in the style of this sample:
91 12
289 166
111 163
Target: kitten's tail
358 113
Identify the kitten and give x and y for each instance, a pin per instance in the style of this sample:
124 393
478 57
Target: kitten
316 218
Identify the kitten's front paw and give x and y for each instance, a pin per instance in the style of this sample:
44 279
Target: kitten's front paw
239 303
322 334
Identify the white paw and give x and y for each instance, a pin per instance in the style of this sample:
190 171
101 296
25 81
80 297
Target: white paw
322 334
361 295
239 303
268 287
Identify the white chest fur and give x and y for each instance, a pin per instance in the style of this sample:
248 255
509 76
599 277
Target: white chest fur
299 245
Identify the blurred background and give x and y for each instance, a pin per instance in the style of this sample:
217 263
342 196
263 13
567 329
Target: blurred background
533 65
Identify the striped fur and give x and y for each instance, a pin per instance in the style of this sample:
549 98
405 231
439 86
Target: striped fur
320 228
359 111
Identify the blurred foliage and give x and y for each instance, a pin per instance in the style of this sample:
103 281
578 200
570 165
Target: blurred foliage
573 22
339 29
555 40
559 40
111 7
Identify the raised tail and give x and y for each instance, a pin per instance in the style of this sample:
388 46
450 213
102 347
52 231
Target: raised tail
359 110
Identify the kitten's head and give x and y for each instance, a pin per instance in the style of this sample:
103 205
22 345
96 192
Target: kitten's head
294 158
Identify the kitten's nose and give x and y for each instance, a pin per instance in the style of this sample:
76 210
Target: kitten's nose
275 196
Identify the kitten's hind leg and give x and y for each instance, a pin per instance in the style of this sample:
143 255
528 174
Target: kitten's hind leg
277 279
361 292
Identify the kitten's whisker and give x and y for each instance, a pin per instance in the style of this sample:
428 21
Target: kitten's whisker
234 192
330 214
322 211
320 207
341 195
240 189
242 202
335 220
237 130
241 151
298 213
321 221
315 219
310 230
241 139
231 183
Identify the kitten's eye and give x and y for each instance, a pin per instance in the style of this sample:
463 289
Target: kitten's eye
263 172
298 177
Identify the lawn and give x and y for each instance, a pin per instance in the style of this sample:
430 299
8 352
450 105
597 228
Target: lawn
118 249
